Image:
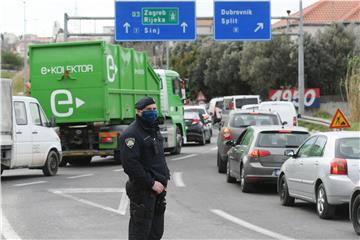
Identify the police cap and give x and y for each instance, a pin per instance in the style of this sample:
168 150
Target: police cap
143 102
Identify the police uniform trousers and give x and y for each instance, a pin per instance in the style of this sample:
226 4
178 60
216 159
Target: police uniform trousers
147 210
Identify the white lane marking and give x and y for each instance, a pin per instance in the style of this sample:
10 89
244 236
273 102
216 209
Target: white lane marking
213 149
249 225
118 170
124 202
6 230
177 176
65 192
80 176
184 157
29 183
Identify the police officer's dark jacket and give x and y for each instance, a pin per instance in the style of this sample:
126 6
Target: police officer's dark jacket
142 154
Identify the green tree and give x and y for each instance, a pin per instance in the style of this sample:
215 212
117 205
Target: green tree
10 60
266 65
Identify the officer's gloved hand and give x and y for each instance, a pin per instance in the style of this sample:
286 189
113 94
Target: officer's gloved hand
158 187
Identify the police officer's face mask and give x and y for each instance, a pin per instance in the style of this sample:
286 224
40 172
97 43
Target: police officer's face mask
149 116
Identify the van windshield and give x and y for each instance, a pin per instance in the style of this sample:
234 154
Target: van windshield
245 101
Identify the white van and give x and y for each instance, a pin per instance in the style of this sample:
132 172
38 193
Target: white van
27 140
237 101
215 108
285 109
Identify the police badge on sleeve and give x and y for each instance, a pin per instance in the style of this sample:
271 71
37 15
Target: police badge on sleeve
130 142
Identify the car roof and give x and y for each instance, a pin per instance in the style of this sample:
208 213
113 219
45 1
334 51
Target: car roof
23 98
251 111
278 127
194 107
339 134
242 96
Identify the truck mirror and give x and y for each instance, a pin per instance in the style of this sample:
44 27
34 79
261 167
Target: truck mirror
52 122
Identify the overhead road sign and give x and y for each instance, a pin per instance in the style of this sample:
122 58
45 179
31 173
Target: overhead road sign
155 20
240 20
339 120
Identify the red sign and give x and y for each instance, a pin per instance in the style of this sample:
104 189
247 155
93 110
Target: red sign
311 96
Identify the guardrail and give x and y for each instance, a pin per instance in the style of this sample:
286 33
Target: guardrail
315 120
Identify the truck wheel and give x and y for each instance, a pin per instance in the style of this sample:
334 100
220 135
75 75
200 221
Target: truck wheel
177 149
52 164
117 157
63 162
80 161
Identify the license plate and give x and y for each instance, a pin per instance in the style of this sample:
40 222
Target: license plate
276 172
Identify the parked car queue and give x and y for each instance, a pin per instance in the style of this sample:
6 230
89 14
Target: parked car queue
323 168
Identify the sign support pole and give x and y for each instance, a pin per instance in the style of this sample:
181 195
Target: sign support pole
301 61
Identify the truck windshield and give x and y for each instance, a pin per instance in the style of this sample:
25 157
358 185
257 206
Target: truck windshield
176 86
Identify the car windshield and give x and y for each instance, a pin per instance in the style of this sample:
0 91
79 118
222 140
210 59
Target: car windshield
253 119
281 139
191 115
196 110
348 148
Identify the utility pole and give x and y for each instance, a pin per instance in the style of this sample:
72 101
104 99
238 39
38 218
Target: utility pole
25 47
301 83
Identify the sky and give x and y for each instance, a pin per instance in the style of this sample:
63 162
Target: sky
40 15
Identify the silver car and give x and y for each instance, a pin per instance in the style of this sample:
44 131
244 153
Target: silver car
324 170
354 208
258 153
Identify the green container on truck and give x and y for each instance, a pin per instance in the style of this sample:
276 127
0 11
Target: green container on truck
89 89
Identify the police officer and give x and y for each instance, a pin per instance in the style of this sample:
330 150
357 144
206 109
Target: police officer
142 155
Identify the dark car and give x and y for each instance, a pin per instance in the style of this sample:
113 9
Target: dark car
258 153
196 128
234 124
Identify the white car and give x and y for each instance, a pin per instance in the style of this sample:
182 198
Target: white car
285 109
324 170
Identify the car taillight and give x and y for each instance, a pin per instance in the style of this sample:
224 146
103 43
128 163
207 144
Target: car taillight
106 140
295 121
259 153
338 166
195 121
227 134
231 106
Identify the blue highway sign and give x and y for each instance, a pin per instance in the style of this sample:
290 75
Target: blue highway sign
155 20
242 20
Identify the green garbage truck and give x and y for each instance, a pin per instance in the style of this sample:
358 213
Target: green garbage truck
89 90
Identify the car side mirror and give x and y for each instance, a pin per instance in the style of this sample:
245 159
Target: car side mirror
230 143
289 153
284 123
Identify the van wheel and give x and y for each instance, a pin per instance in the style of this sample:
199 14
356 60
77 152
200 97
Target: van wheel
179 140
323 208
52 164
